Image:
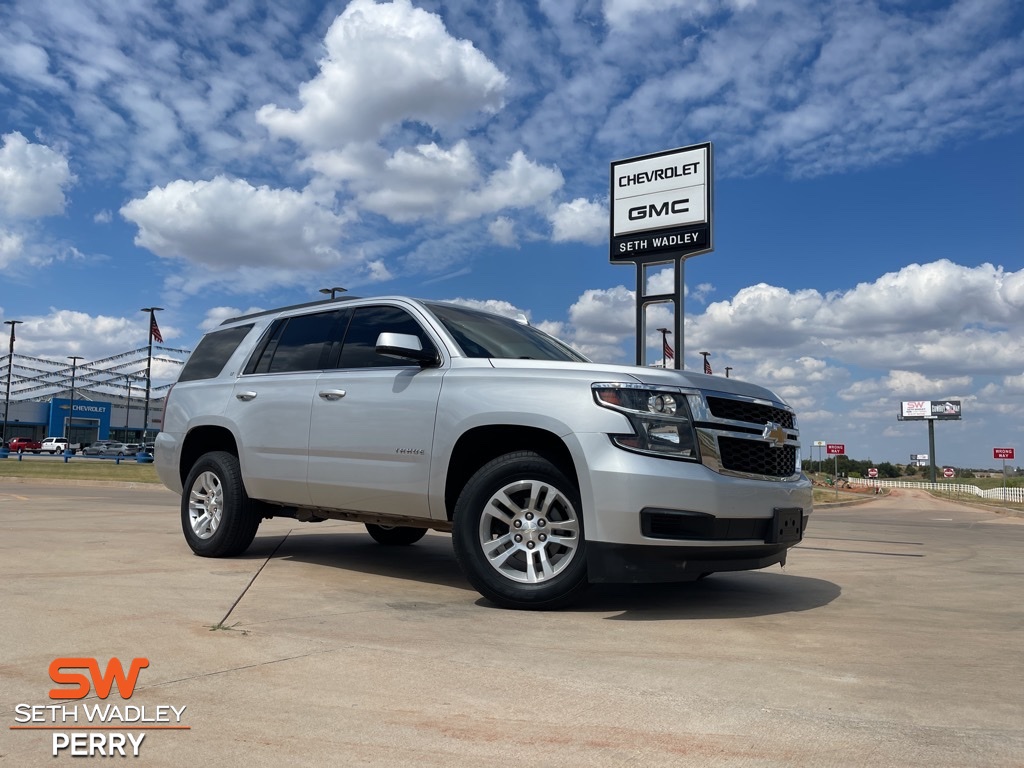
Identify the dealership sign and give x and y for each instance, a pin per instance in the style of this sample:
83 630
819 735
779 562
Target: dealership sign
661 205
919 410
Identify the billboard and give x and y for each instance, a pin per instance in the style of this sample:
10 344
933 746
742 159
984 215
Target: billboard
919 410
661 205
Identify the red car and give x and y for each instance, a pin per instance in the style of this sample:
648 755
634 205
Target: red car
24 444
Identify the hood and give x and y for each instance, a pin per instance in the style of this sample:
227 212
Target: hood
656 376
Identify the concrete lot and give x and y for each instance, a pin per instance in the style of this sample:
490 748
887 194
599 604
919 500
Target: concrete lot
894 637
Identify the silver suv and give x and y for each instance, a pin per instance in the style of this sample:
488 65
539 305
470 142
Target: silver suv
549 471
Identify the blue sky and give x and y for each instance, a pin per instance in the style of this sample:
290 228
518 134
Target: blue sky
213 157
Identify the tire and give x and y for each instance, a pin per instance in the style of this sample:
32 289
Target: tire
395 535
518 533
217 517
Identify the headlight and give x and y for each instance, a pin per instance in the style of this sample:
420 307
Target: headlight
659 416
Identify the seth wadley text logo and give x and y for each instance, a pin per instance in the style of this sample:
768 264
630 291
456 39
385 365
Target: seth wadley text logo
102 729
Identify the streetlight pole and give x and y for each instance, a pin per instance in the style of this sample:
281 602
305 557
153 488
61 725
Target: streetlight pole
10 366
727 369
664 346
149 368
71 409
332 291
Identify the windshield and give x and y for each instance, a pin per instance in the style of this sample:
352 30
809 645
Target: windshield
481 334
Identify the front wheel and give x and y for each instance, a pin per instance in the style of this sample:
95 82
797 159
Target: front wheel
518 533
216 516
395 535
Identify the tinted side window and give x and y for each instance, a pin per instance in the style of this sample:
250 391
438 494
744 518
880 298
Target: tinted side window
298 343
359 349
212 353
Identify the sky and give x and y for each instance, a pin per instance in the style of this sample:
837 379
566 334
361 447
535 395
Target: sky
213 158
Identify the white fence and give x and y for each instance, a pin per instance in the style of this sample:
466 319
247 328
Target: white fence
1015 495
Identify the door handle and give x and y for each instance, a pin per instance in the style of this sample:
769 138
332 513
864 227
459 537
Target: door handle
332 394
246 396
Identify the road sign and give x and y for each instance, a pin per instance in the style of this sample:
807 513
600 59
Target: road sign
872 472
1002 453
948 472
835 449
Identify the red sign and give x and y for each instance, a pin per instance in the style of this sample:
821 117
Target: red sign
1002 453
835 449
948 472
872 472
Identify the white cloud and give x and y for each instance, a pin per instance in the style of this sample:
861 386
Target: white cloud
581 221
497 306
835 86
227 224
624 13
33 178
410 185
503 231
384 64
60 333
520 184
12 246
971 318
909 385
217 315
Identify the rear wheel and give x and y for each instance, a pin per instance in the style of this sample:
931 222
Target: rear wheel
395 535
217 518
518 533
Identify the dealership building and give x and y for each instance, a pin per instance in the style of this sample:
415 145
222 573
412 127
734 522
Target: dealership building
109 397
93 419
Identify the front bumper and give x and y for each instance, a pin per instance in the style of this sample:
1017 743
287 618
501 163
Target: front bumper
636 564
650 519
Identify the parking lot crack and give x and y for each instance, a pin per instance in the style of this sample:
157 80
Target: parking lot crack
220 624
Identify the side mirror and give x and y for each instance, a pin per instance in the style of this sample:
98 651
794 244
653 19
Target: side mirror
405 346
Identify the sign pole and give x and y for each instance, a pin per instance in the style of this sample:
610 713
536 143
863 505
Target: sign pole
931 447
661 211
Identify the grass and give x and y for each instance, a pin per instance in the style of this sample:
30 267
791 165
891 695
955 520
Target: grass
39 468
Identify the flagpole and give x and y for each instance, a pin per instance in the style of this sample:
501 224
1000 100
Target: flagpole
664 346
149 367
4 438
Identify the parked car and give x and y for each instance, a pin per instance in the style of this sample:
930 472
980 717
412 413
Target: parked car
107 448
52 445
24 445
549 471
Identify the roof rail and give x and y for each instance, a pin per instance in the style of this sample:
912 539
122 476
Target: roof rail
339 299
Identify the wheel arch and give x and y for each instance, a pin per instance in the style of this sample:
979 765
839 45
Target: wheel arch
481 444
204 440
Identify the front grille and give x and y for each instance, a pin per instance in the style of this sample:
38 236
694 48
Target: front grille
757 457
744 410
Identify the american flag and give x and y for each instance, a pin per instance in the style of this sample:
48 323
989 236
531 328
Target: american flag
707 365
666 349
154 330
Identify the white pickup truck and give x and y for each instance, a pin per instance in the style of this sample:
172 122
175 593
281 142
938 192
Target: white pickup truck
52 445
549 471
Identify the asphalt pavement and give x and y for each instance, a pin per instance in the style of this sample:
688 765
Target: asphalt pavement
894 637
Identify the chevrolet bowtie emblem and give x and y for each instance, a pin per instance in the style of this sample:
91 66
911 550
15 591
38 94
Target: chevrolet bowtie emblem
774 434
